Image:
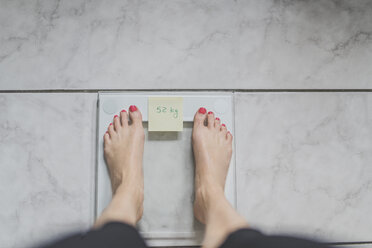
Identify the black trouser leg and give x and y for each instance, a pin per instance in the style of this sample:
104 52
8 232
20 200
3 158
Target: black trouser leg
115 235
111 235
254 239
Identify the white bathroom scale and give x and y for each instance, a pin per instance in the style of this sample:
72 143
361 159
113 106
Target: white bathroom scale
168 163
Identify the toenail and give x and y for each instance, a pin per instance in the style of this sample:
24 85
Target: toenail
110 124
223 125
217 119
123 111
202 110
132 108
116 116
210 112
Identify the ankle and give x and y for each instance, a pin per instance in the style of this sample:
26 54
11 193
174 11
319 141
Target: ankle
130 199
133 193
209 194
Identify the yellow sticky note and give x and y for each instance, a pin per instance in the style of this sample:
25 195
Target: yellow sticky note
165 113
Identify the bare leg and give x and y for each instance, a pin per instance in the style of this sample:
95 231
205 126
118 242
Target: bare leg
212 146
123 150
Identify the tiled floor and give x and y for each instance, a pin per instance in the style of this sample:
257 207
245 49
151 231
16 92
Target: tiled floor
303 163
304 159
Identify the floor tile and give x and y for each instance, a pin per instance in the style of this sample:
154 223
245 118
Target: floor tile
47 166
304 163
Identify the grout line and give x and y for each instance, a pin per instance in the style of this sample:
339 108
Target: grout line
235 152
197 90
95 202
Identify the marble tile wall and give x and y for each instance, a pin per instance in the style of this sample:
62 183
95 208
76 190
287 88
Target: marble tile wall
115 44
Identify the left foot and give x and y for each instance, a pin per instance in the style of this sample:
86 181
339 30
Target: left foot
123 150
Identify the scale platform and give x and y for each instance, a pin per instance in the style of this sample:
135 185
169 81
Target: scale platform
168 166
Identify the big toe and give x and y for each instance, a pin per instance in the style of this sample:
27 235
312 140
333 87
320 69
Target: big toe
200 117
135 115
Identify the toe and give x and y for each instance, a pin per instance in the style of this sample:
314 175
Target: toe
217 123
135 115
210 119
124 118
111 130
223 129
229 136
106 138
200 117
117 124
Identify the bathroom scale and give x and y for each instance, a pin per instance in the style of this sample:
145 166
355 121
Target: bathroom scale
168 165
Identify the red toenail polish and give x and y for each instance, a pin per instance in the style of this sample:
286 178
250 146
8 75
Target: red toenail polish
217 119
116 116
210 112
123 111
202 110
110 124
223 125
132 108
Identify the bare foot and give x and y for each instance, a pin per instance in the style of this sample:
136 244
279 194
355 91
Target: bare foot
212 146
123 150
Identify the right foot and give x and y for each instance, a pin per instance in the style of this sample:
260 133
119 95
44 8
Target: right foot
212 147
123 150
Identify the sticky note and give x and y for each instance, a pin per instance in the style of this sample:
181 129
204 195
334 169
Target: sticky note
165 113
